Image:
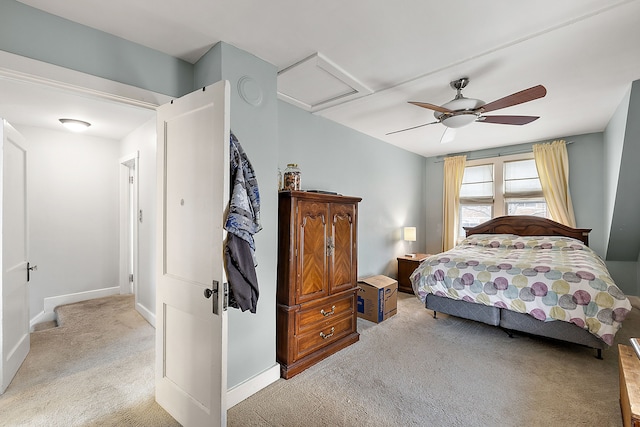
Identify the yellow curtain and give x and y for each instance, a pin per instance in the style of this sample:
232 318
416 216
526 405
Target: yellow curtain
453 173
552 163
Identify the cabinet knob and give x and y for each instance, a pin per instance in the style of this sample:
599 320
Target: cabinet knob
329 335
328 313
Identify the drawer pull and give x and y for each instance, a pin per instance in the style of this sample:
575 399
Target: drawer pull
324 337
328 313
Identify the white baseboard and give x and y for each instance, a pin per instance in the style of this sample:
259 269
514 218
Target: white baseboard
146 313
242 391
51 303
40 318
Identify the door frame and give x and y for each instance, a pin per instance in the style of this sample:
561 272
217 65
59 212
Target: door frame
128 167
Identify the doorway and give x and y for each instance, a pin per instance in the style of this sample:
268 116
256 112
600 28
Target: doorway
115 112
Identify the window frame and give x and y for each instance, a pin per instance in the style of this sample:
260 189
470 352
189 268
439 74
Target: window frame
499 202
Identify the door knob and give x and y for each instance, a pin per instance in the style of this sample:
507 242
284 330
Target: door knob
207 293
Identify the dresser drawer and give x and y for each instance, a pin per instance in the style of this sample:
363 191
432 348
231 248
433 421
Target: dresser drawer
312 316
309 342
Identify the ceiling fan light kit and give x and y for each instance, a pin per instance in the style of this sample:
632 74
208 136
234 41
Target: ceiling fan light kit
462 111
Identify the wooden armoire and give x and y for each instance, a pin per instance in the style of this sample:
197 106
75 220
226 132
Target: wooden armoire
316 312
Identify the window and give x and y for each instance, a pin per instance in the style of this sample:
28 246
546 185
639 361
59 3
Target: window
507 185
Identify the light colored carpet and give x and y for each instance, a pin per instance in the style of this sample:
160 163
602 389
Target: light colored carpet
413 370
96 369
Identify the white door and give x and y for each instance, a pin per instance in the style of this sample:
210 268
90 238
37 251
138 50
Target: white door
14 306
193 195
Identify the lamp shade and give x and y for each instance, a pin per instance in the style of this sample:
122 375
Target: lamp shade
410 234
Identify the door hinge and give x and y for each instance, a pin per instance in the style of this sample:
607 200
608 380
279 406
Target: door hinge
225 303
131 278
130 180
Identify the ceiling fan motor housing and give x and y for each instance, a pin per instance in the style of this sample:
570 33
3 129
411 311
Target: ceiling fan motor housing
463 112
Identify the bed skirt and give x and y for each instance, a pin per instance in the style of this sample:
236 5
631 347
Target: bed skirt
514 321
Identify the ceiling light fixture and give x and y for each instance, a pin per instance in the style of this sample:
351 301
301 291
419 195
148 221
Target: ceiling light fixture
463 111
75 125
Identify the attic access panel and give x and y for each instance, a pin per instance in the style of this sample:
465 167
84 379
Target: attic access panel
316 83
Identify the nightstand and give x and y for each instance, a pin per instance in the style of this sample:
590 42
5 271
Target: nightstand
406 266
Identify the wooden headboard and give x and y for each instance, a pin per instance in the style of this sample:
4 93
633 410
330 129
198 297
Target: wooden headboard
525 225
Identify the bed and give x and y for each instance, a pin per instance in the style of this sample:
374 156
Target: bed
526 274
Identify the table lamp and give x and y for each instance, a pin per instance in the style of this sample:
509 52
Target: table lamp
410 236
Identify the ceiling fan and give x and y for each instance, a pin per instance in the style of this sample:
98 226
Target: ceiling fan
463 111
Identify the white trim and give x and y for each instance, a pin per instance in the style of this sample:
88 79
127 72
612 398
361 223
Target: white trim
50 303
40 318
148 315
124 159
253 385
498 158
25 69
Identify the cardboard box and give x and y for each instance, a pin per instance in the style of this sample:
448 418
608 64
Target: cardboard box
377 298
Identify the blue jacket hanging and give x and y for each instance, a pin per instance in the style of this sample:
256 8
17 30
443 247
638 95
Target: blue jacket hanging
243 221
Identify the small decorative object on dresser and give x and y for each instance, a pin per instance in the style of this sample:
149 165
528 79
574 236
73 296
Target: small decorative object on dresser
316 312
406 266
292 177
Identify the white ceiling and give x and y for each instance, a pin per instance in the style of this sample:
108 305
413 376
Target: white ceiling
42 105
585 52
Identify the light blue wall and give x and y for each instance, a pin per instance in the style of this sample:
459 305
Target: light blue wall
622 175
208 69
389 180
613 144
586 183
624 240
35 34
252 346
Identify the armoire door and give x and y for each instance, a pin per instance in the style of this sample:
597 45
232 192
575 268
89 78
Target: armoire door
343 240
313 275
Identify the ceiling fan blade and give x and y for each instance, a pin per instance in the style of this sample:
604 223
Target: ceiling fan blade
448 135
431 106
413 127
507 120
515 98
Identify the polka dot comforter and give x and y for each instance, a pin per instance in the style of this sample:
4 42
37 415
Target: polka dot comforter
548 277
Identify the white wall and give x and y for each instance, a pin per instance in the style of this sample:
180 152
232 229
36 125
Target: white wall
73 213
143 141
